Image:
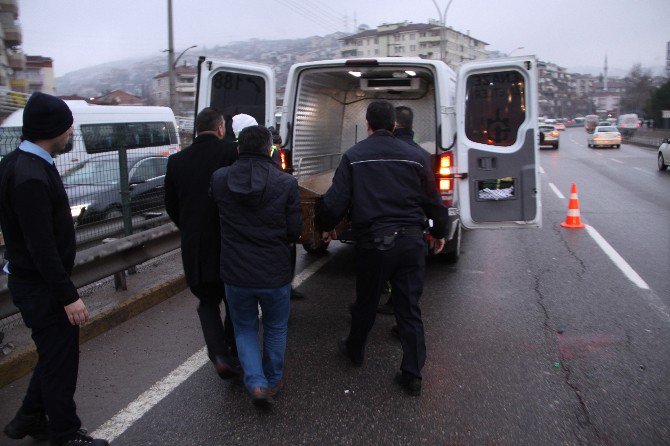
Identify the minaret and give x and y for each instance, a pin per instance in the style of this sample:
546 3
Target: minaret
605 78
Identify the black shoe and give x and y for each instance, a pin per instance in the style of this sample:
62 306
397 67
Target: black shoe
227 367
385 309
296 295
344 349
410 384
35 425
81 439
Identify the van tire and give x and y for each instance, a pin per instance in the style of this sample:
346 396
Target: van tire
661 163
452 249
319 248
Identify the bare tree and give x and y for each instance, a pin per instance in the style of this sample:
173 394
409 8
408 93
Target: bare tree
639 89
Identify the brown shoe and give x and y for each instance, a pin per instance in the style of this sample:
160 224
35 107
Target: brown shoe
273 391
260 397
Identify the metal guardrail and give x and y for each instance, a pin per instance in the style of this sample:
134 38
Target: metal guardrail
105 260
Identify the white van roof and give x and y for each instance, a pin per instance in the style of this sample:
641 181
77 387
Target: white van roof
84 112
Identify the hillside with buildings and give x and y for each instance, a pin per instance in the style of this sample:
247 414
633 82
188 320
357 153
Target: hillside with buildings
145 80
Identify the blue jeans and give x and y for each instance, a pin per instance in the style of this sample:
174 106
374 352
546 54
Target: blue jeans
275 304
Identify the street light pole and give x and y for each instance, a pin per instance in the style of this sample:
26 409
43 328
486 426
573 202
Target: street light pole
443 31
170 51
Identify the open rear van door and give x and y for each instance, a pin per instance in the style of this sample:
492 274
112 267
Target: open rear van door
236 87
497 143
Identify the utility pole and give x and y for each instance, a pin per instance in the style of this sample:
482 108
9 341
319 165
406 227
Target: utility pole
170 51
443 32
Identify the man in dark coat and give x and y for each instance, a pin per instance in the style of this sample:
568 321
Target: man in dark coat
389 191
190 207
259 209
39 234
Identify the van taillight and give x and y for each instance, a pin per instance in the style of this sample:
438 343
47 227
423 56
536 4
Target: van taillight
444 179
282 158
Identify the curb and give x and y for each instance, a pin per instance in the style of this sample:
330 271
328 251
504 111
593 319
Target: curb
22 361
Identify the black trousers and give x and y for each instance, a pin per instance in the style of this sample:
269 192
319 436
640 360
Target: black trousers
404 266
219 335
54 379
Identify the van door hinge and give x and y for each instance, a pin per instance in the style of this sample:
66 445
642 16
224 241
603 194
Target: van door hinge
528 65
209 65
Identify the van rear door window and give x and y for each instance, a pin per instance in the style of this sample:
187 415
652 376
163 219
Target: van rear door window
234 93
495 107
100 138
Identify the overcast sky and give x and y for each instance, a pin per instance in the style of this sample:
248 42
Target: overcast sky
571 33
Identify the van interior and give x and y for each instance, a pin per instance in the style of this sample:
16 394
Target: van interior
329 113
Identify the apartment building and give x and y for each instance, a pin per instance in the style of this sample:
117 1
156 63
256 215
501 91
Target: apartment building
12 59
185 76
38 75
414 40
555 90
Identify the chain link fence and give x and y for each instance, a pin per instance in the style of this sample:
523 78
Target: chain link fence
113 175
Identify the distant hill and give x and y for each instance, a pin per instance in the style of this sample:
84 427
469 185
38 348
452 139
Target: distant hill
135 75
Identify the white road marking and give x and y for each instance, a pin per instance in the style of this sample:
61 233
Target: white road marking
616 258
126 417
542 170
639 169
556 191
135 410
616 160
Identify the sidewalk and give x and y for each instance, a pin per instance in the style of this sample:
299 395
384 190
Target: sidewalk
154 282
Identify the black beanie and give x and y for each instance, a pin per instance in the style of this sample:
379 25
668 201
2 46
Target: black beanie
45 117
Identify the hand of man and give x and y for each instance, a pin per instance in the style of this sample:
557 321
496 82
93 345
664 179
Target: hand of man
328 236
437 245
77 312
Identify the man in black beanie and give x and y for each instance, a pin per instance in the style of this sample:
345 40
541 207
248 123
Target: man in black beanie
39 235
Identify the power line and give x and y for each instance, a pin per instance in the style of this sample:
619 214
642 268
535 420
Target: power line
331 16
298 8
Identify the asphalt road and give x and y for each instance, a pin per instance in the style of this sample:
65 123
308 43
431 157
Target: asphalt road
535 337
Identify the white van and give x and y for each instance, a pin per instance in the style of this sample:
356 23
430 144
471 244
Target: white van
480 126
105 128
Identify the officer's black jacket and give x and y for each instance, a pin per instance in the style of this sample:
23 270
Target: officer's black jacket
386 185
37 223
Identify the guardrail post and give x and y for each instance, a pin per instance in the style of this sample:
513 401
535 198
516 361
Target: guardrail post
120 277
124 184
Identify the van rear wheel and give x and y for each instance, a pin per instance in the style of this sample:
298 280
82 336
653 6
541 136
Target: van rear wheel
661 163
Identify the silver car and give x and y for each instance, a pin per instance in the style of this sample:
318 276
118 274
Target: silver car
605 136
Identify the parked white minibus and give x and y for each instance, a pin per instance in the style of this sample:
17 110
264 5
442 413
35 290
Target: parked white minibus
105 128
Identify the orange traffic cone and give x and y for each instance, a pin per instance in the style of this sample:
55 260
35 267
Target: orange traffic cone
573 220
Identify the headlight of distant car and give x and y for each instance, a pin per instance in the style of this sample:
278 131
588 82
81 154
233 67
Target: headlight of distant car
554 133
78 209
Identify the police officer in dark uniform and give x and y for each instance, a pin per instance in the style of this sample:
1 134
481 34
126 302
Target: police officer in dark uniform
389 191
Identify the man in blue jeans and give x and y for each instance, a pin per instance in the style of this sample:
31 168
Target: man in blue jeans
259 211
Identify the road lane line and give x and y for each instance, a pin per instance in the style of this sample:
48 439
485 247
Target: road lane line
556 191
135 410
126 417
542 170
311 269
644 171
616 258
616 160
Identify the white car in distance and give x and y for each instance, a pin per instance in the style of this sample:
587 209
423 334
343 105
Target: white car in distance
605 136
